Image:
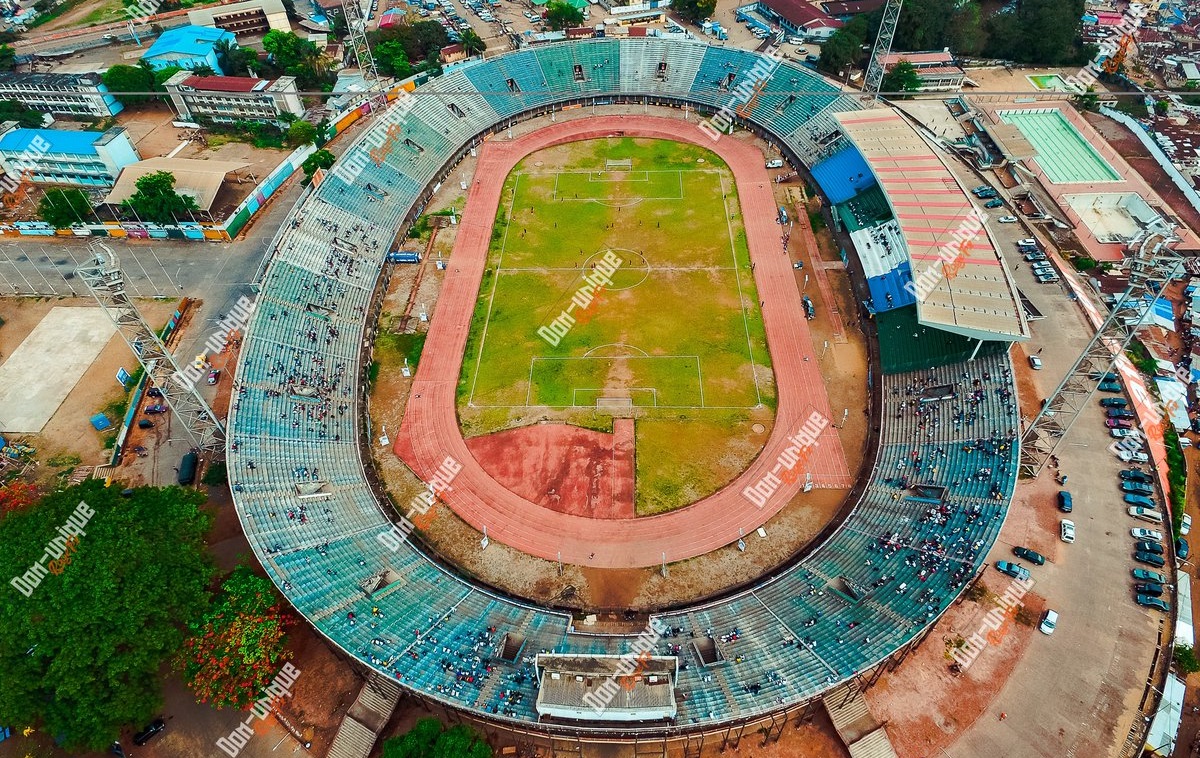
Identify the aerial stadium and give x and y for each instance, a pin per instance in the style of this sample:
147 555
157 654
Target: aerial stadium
940 451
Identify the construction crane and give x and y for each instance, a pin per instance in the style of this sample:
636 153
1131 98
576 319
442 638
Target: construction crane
883 48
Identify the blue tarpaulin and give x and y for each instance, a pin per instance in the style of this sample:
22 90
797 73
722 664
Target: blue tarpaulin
100 422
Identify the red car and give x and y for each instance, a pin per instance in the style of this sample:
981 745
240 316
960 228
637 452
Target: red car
1118 423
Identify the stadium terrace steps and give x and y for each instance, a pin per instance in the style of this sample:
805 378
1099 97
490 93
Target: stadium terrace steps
831 615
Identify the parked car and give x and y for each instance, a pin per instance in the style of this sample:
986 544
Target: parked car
1066 530
1114 402
1118 423
1007 219
1185 524
154 392
1049 622
1146 514
1119 433
1028 242
1150 559
153 728
156 408
1035 257
1140 500
1035 362
1146 534
1064 501
1121 413
1182 549
1137 488
1032 556
1048 279
1133 456
1135 475
994 203
1015 570
1110 387
1145 546
1143 575
1109 377
1149 589
1153 602
214 375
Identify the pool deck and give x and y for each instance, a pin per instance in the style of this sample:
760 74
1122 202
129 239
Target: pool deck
1130 180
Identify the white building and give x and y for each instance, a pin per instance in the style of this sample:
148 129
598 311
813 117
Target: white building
229 99
60 94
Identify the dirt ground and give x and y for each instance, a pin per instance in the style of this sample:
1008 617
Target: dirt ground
844 365
69 439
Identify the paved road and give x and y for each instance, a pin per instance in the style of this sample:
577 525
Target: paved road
1073 693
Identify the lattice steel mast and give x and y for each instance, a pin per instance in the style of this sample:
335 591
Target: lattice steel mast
1151 265
357 26
105 281
883 48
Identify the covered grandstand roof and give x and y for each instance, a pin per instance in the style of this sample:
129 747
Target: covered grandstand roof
1011 141
963 286
576 686
200 179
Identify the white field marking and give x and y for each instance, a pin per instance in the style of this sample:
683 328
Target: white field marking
492 297
699 378
576 390
741 294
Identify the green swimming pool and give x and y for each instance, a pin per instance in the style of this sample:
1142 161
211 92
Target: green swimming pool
1062 152
1051 82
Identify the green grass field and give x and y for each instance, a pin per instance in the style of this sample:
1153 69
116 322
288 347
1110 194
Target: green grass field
676 332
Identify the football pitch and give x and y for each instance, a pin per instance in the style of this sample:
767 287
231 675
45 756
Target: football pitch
618 277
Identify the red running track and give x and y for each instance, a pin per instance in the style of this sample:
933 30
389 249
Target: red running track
430 431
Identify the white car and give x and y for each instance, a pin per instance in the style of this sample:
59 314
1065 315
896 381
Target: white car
1185 524
1007 219
1146 534
1067 530
1049 621
1036 362
1135 456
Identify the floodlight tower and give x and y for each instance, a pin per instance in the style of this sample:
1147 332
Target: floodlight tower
883 48
104 280
357 25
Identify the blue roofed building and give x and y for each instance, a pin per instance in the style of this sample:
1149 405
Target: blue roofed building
54 157
188 47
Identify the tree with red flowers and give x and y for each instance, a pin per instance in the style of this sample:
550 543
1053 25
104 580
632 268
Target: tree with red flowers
237 648
17 496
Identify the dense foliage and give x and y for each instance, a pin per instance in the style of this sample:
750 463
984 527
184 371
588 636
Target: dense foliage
62 207
156 200
81 656
427 739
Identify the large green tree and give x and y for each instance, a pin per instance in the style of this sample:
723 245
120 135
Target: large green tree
845 47
62 207
320 159
8 58
427 739
81 656
391 60
11 110
301 133
472 43
1038 31
123 80
562 15
902 78
156 199
695 11
298 57
235 651
422 41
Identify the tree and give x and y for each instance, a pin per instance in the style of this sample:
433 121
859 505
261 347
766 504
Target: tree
902 78
1185 659
301 133
562 15
845 47
203 69
162 75
422 41
1037 31
237 647
156 199
8 58
17 496
61 208
427 739
122 79
322 159
695 10
391 60
234 60
81 655
11 110
472 43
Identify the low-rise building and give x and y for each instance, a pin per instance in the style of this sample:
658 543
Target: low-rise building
936 68
60 94
55 157
187 47
250 17
799 18
229 99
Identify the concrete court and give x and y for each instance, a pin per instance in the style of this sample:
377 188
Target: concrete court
42 371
